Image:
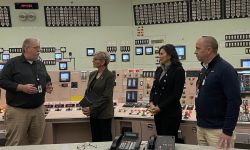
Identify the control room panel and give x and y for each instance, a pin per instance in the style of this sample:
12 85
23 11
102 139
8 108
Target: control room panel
131 92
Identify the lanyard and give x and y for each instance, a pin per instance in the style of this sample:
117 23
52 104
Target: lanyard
34 69
202 77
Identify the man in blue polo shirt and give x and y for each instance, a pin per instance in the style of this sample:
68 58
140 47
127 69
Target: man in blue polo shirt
218 97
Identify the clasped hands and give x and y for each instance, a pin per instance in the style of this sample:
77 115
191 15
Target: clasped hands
154 109
32 89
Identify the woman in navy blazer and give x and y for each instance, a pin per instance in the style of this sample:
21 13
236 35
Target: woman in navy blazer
166 92
101 111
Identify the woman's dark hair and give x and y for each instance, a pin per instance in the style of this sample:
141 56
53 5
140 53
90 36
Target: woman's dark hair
170 50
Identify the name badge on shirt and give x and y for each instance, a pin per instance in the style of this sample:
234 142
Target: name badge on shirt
203 82
39 88
197 92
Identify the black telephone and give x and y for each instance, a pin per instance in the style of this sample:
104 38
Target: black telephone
128 141
161 142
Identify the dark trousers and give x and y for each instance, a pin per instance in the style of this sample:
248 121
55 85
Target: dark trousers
167 125
101 129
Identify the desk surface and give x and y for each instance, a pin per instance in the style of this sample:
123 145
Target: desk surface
95 146
65 115
78 116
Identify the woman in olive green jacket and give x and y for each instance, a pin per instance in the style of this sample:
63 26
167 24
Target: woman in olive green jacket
101 111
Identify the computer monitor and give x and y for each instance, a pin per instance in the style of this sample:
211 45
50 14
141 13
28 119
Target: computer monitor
125 57
58 56
181 51
131 96
64 76
132 83
63 65
138 50
1 66
90 51
5 57
149 50
112 58
244 79
245 63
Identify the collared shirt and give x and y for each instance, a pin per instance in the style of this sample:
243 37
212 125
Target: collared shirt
19 71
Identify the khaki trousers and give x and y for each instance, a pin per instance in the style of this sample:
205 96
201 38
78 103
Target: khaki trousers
210 137
24 126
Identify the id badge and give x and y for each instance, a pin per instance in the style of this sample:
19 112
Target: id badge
203 82
197 93
39 88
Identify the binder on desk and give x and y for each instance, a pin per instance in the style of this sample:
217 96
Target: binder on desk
88 99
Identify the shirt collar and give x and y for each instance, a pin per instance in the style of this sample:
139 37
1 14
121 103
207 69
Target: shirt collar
165 67
23 59
211 63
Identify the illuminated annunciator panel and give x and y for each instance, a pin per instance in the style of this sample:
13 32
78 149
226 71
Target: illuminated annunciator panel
244 78
244 81
133 87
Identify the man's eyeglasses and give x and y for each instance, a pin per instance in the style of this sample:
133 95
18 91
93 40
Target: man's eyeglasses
36 47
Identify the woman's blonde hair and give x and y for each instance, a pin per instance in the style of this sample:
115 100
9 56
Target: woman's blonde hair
103 56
